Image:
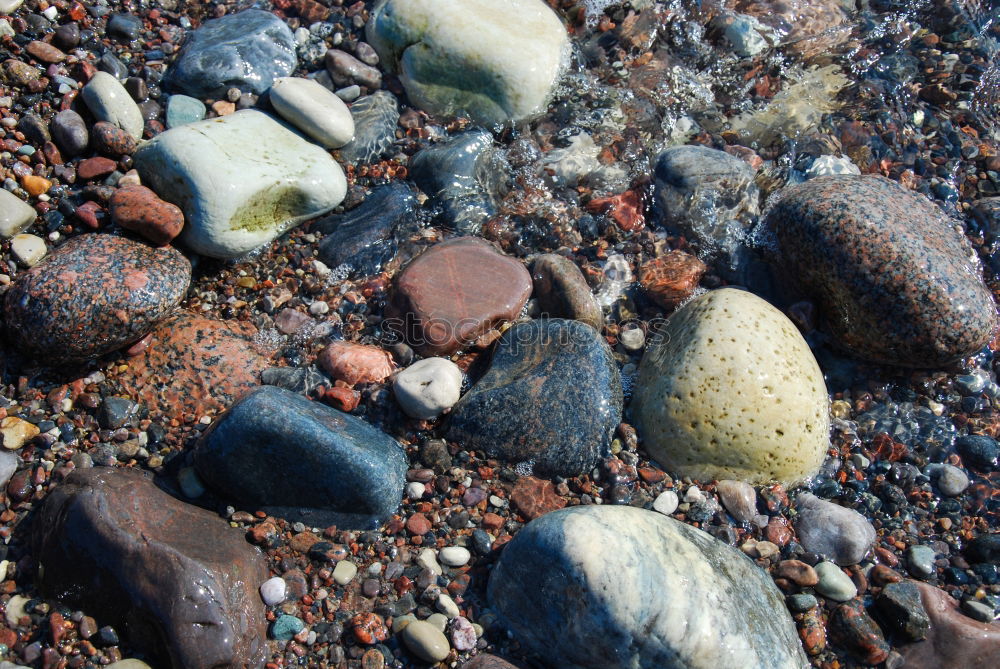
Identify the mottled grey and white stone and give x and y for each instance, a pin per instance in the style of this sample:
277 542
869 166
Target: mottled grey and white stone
951 480
834 583
841 534
108 101
247 50
667 595
242 180
920 561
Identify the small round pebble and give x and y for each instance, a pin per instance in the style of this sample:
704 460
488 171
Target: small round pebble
447 606
801 602
273 590
463 634
344 572
666 503
951 481
834 583
428 388
29 249
454 556
920 561
415 490
425 641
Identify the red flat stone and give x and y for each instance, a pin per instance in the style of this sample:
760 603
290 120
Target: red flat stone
671 278
355 363
95 167
455 292
138 208
535 497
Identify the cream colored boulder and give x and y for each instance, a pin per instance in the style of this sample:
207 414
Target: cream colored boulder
496 60
730 390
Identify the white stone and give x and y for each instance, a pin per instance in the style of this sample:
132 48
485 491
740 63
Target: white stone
746 34
825 165
415 490
108 101
344 572
497 60
439 620
242 180
314 110
666 502
15 214
8 465
454 556
425 641
273 591
568 165
9 6
428 560
428 388
447 606
15 609
29 249
729 389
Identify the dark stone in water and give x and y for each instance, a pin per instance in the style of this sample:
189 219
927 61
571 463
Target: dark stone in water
979 451
984 548
901 610
552 395
366 237
465 176
894 279
277 451
301 380
375 118
176 578
248 50
93 295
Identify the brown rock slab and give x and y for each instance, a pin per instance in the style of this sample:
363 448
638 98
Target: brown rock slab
45 52
455 292
535 497
954 641
137 208
671 278
195 366
176 578
562 292
95 167
356 363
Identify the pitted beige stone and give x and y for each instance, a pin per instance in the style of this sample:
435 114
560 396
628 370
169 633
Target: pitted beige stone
730 390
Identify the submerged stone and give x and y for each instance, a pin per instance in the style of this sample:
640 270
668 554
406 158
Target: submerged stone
375 117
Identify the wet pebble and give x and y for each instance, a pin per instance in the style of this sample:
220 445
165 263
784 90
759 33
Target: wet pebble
834 583
108 101
454 556
920 561
841 534
273 590
137 208
425 641
428 388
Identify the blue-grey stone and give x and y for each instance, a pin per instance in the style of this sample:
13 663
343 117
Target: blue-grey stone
367 237
301 460
125 26
665 595
375 118
978 450
183 109
465 175
247 50
552 396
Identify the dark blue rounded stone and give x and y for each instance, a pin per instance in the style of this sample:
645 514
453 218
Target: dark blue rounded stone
551 397
277 451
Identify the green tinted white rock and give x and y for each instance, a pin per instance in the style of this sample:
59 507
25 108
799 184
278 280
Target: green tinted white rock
242 180
496 60
730 390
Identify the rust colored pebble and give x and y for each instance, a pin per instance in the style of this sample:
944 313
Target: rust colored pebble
418 524
671 278
137 208
35 185
356 363
8 637
112 140
882 575
95 167
369 628
853 629
90 214
798 572
535 497
52 154
777 532
342 398
812 631
45 52
492 522
886 556
650 475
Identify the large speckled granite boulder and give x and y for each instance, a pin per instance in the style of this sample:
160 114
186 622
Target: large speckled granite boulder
730 390
175 578
612 587
552 397
896 282
302 460
496 60
93 295
241 180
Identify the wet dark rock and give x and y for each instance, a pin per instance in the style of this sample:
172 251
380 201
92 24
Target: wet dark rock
125 26
247 50
111 64
893 278
34 128
375 118
302 380
902 612
979 451
302 460
69 132
552 396
93 295
584 609
851 627
367 237
115 412
562 292
984 548
67 36
464 175
175 578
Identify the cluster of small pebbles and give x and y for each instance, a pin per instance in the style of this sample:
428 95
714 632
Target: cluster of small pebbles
417 333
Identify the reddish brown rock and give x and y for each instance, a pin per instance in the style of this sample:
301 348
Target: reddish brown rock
369 628
137 208
418 524
355 363
812 631
852 629
194 366
95 167
954 641
45 52
797 572
671 278
455 292
91 214
625 209
535 497
176 578
111 140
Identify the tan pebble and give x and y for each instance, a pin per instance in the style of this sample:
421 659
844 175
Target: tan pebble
16 432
